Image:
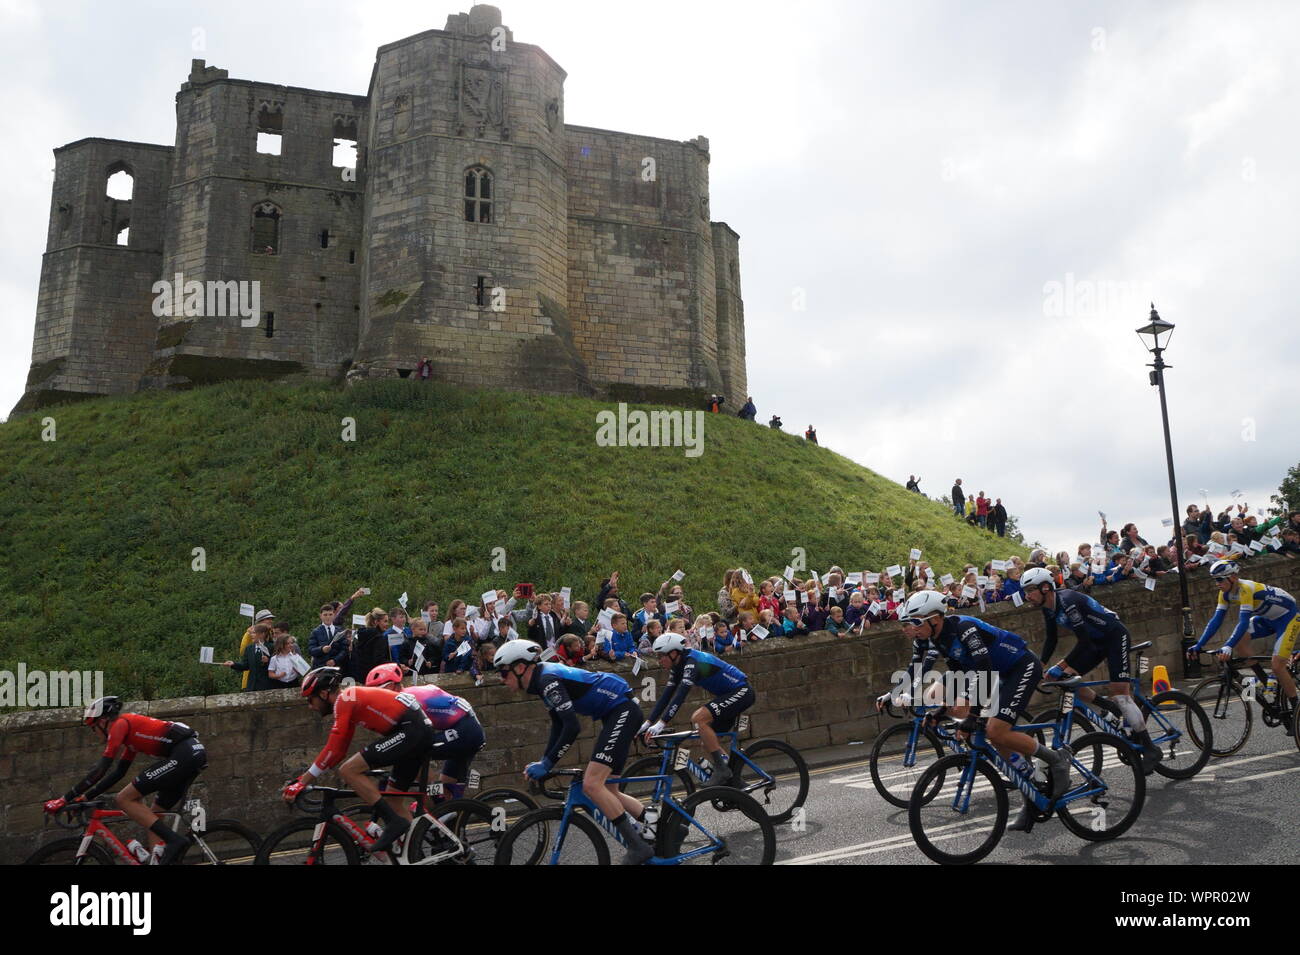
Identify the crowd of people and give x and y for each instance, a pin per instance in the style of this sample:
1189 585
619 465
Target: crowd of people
743 611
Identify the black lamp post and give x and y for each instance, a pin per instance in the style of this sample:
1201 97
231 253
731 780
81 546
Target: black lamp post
1158 333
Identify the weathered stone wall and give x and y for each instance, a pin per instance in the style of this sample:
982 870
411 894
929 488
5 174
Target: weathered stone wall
730 311
814 691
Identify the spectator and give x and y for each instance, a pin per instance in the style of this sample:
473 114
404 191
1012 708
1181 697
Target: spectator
257 657
609 590
982 508
651 609
424 652
621 643
1085 554
326 645
1193 546
723 639
578 620
1129 538
1000 518
370 646
810 435
748 411
958 498
1197 524
1012 584
835 622
1078 578
726 606
742 593
423 370
263 616
1109 542
972 517
775 423
571 650
454 659
678 596
397 635
1290 545
791 624
544 627
286 666
913 485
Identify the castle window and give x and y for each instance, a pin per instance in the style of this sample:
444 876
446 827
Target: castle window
124 232
270 324
481 291
266 229
345 143
270 130
478 195
120 184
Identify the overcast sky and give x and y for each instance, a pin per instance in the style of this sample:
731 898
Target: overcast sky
916 175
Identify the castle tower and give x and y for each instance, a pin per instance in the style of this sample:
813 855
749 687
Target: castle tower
465 218
94 328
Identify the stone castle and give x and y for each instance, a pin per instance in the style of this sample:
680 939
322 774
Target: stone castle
475 229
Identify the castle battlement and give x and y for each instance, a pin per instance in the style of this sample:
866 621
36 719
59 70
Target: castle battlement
474 229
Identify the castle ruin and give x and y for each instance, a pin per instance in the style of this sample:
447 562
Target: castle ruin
475 230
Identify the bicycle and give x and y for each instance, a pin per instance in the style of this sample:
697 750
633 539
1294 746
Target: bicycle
715 824
911 735
1227 698
1188 748
217 841
765 764
940 809
454 832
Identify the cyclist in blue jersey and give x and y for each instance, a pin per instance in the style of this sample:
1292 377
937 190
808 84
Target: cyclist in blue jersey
1099 635
972 646
732 695
569 693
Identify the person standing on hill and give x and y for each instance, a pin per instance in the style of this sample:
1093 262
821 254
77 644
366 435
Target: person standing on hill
912 484
749 412
958 499
1000 520
810 435
982 508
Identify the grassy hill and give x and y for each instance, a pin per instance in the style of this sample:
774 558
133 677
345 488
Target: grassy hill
100 524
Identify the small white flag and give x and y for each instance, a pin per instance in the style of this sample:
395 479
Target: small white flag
678 576
358 620
471 612
915 553
826 577
873 578
875 608
760 631
982 581
547 654
968 591
464 648
999 565
565 594
899 594
403 599
1236 495
636 666
946 579
1256 546
205 655
788 573
1103 515
426 616
488 597
1139 573
417 664
672 606
1237 548
1166 522
246 610
791 596
1151 583
604 618
1017 599
833 592
744 575
502 608
854 578
893 570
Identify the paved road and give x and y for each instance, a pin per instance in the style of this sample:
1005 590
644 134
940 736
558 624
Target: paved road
1240 809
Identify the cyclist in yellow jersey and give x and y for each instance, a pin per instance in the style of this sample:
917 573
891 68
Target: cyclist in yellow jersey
1263 611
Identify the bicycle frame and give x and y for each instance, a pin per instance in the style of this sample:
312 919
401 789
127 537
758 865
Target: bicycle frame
684 760
577 799
96 828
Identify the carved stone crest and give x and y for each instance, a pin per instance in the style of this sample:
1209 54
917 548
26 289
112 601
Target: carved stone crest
553 114
482 95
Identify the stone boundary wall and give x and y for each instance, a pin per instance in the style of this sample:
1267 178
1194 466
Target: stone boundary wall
814 691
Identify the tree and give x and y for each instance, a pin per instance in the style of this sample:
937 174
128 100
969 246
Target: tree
1287 497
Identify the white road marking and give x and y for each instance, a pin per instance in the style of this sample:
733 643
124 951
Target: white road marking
1276 772
884 845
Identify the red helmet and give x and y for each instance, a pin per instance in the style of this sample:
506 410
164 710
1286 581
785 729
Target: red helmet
321 678
385 673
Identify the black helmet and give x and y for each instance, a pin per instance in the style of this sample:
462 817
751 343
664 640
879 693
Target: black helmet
321 678
108 706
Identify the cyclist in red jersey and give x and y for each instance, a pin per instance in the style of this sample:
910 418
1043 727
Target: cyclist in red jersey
182 759
406 738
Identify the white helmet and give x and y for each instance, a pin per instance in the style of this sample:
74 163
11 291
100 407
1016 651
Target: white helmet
669 642
1035 577
923 604
1224 568
516 651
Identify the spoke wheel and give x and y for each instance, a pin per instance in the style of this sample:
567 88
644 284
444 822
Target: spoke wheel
1181 730
1230 715
294 844
579 842
786 787
1109 814
963 820
717 815
895 779
467 834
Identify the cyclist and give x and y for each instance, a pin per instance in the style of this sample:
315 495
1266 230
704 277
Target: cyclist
457 733
1264 611
1099 635
407 736
732 695
569 692
971 645
182 758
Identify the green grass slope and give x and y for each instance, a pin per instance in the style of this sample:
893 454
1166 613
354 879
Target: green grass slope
100 524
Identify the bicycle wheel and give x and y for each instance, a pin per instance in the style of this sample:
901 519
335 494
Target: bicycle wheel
964 820
293 844
64 852
713 815
1176 722
682 785
782 786
1230 715
896 780
1108 814
222 842
508 807
577 842
467 834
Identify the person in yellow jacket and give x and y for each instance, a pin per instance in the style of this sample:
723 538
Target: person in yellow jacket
263 616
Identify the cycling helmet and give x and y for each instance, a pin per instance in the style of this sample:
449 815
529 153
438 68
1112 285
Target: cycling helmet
108 706
1035 577
321 678
1223 568
669 642
922 605
516 651
385 673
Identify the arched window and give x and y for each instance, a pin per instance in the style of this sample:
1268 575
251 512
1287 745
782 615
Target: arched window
121 182
123 232
478 194
266 228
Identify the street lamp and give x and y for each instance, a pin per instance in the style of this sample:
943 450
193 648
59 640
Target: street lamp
1158 332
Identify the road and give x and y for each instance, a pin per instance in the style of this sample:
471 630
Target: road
1240 809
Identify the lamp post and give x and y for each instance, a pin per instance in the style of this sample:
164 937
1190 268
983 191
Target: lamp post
1158 332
